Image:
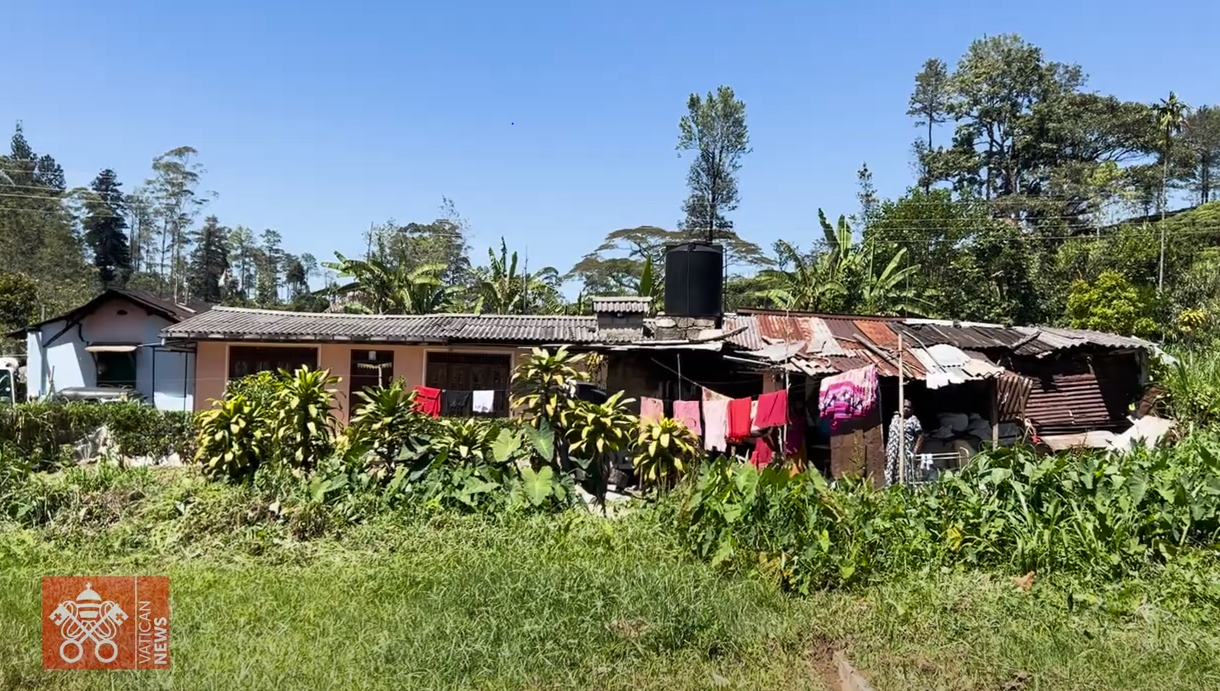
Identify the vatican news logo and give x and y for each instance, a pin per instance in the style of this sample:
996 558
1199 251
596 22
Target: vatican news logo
105 622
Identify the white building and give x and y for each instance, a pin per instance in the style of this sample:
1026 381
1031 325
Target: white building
113 341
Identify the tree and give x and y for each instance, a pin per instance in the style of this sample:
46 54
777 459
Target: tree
245 261
1110 304
616 266
1170 119
714 130
209 264
384 289
929 102
18 307
175 206
142 225
38 232
502 289
268 267
1198 163
105 226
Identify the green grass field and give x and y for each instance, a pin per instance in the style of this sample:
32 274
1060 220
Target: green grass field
558 602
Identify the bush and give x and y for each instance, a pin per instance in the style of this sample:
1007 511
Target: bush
39 430
1093 514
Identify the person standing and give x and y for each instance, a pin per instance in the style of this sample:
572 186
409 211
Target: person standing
905 439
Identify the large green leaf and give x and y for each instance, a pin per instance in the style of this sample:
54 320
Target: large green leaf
538 485
542 439
505 446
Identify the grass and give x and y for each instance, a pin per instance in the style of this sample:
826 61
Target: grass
572 601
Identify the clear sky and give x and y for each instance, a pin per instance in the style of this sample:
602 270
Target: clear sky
550 123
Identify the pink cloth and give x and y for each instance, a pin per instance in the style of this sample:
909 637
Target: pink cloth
687 412
846 396
651 409
715 420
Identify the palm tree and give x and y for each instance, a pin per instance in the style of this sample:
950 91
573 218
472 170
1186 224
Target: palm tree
1170 119
386 289
503 289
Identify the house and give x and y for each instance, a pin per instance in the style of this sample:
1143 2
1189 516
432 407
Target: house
113 341
1065 387
447 351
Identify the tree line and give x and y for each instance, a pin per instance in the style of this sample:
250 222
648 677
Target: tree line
1034 200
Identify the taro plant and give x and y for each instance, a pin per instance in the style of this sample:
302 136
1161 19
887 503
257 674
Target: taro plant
234 439
666 451
304 426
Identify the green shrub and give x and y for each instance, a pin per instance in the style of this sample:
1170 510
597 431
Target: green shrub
39 430
1093 514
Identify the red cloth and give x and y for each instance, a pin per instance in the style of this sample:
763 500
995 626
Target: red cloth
772 410
763 455
428 400
739 420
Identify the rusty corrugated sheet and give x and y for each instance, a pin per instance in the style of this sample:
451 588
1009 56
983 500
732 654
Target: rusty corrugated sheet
1066 403
1013 391
878 332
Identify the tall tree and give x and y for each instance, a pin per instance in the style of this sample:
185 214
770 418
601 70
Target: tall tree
1199 160
270 266
1170 119
209 265
105 229
929 103
141 226
616 266
177 203
245 260
714 131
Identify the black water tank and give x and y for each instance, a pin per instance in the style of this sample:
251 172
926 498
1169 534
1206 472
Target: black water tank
694 280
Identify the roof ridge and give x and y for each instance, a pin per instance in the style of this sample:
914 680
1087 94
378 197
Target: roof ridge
349 315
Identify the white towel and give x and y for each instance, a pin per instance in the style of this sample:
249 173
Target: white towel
483 401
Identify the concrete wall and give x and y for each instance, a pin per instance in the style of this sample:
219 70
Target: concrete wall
164 378
212 368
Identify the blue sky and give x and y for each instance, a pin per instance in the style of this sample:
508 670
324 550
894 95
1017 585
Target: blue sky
550 123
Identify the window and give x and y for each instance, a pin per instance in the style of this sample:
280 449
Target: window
370 368
116 369
468 372
245 360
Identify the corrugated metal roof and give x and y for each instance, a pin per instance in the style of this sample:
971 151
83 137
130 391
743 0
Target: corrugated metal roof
1066 403
627 304
238 323
1043 340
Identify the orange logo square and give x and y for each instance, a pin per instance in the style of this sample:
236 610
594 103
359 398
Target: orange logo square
105 622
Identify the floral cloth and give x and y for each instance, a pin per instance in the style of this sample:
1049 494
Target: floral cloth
849 395
902 435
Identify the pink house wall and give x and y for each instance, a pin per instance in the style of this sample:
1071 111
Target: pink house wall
212 365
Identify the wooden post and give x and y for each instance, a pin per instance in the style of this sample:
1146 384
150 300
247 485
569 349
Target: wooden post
995 412
902 432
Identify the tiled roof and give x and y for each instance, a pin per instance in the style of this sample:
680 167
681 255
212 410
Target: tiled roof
151 302
233 323
629 304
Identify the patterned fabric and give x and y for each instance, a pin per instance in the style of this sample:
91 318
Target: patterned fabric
903 434
848 396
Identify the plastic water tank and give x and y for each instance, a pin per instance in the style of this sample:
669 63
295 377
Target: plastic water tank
694 280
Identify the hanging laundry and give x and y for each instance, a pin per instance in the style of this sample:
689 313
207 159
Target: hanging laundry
794 443
847 396
772 410
739 420
455 403
483 401
754 429
763 454
651 409
428 400
687 412
715 420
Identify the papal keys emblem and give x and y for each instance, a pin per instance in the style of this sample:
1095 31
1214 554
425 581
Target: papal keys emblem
88 620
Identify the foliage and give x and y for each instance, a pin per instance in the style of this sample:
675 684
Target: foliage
1110 304
665 451
506 287
304 424
543 385
597 434
1007 509
395 288
385 421
105 229
1192 385
234 438
38 431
